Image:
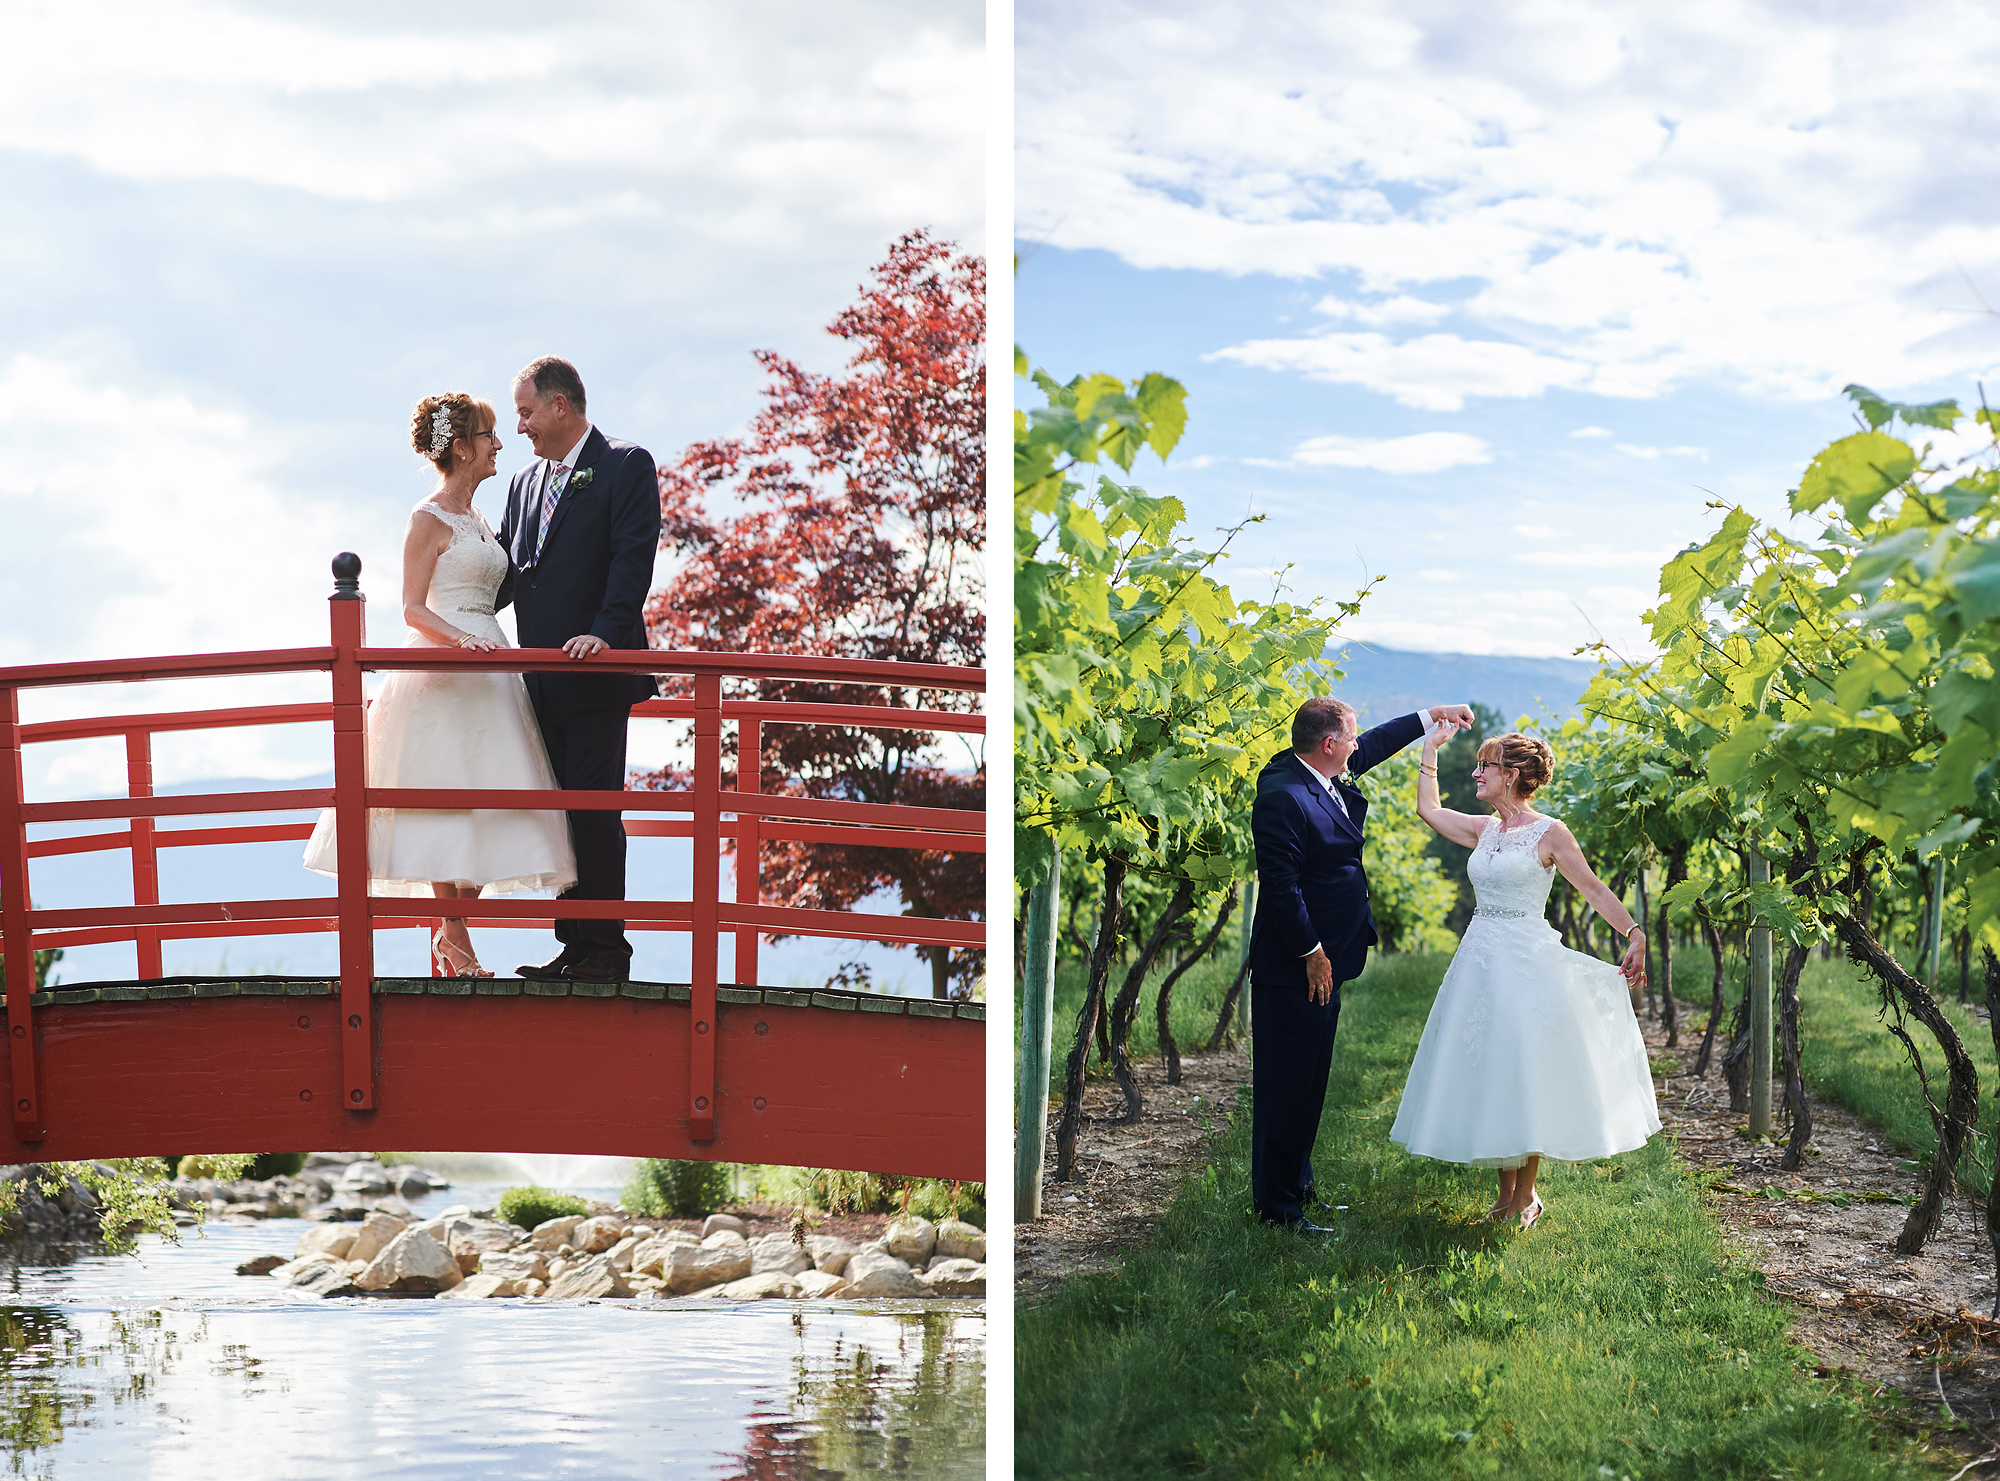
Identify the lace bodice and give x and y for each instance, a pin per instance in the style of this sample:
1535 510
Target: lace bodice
1506 870
471 568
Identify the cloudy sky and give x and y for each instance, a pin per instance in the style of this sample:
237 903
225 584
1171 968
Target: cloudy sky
1493 301
241 240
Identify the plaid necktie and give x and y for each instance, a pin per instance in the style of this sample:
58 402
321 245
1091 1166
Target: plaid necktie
551 491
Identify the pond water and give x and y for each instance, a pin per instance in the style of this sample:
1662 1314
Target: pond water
167 1364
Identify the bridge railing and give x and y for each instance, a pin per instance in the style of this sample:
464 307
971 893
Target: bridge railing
712 812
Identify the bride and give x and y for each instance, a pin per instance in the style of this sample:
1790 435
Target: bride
455 729
1531 1049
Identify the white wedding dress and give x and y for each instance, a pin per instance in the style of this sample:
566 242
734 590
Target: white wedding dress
457 730
1531 1049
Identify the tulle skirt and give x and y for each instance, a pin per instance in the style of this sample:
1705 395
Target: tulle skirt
1531 1049
456 730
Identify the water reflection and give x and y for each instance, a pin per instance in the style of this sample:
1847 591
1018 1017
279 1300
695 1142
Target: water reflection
860 1414
386 1389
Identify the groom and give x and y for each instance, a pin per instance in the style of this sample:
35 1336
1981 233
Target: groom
582 524
1312 933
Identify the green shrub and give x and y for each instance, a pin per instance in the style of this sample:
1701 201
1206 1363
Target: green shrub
277 1165
839 1191
666 1189
527 1207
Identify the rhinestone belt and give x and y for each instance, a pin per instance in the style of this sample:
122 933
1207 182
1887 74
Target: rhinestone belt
1503 914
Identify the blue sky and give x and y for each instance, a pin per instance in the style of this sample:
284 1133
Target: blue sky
1494 301
242 240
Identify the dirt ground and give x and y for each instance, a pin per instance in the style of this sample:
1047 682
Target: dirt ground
1914 1326
1128 1173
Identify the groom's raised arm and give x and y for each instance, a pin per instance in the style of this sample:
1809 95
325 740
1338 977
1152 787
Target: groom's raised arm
1386 739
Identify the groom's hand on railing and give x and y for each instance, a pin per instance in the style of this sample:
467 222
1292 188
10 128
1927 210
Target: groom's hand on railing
585 644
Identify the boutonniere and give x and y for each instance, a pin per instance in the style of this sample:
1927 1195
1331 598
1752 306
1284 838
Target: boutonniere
581 478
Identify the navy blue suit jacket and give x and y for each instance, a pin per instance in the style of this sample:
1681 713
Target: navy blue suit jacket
1311 886
595 569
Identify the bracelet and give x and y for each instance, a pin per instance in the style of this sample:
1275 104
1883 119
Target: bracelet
1427 770
463 639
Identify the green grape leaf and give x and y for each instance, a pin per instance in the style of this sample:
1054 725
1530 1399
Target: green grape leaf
1855 472
1877 410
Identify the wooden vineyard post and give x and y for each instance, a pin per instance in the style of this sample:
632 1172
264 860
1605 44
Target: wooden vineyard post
347 609
1243 954
145 858
1639 988
703 1023
1038 1011
15 937
1934 939
1759 869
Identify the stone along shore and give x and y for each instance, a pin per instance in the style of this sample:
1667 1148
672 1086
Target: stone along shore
367 1243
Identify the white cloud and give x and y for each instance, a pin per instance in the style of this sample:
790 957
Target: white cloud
1589 557
1593 432
1401 309
1619 198
1421 452
1540 532
680 112
1438 575
1433 373
1634 450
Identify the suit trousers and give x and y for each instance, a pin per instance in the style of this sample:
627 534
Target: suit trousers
587 754
1291 1056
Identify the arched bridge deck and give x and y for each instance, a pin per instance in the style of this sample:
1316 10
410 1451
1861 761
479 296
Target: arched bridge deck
701 1069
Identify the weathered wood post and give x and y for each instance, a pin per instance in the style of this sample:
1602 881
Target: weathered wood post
348 611
1936 923
1759 869
1038 1012
1639 989
1243 955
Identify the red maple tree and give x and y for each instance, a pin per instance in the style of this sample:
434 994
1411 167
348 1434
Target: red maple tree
849 522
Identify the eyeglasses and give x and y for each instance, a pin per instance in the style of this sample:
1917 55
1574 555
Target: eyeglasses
1489 766
489 432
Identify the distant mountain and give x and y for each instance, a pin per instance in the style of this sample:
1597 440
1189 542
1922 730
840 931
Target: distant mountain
1382 683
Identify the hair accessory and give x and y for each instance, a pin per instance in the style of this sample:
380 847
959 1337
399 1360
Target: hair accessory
440 430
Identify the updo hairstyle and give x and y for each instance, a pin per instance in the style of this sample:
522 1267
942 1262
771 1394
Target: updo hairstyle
1529 757
467 416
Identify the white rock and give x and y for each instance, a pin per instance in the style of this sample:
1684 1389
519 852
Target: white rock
817 1284
595 1236
557 1266
729 1222
955 1278
292 1269
515 1265
533 1287
830 1253
367 1179
719 1259
961 1241
328 1239
374 1234
777 1252
590 1278
770 1285
620 1254
910 1239
469 1239
650 1254
554 1233
480 1287
874 1274
411 1262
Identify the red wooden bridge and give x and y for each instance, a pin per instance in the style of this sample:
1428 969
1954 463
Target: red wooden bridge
703 1069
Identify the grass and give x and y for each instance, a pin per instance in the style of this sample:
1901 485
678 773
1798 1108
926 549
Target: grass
1848 1056
1620 1338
